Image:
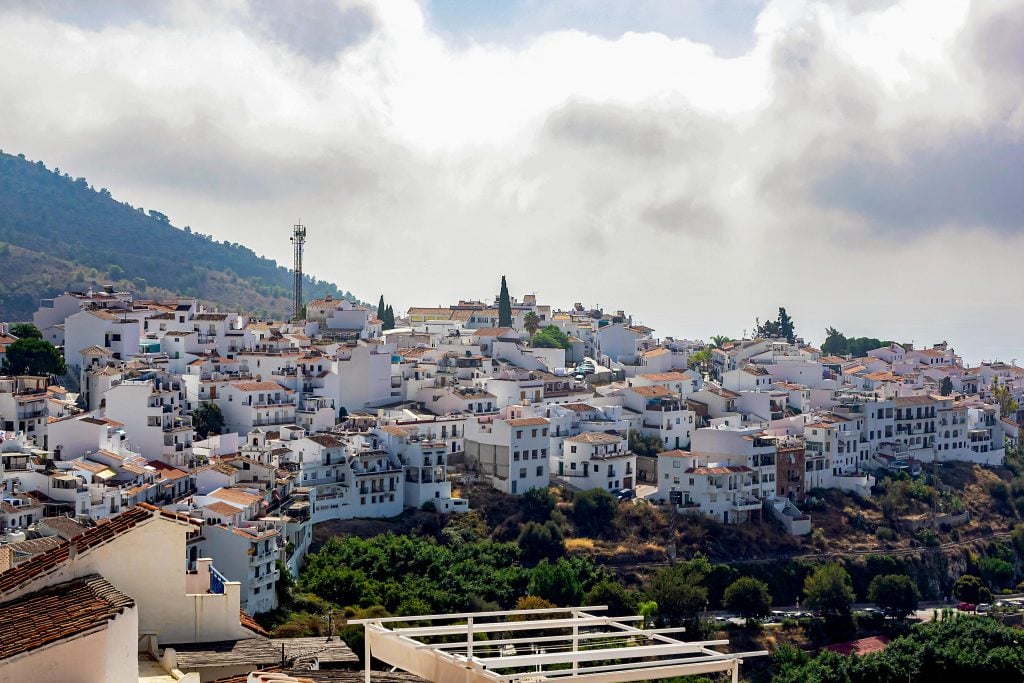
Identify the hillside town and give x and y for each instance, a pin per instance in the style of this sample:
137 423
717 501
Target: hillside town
223 439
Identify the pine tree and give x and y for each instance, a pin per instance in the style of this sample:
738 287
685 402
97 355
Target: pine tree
380 308
504 306
389 318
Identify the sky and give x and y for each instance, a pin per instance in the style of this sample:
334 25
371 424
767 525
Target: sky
699 163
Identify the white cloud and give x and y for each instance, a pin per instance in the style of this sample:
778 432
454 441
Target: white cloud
641 172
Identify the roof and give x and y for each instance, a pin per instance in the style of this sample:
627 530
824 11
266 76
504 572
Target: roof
326 440
491 332
235 496
675 453
861 646
596 438
258 386
731 469
222 509
257 652
527 421
665 377
57 612
652 392
914 400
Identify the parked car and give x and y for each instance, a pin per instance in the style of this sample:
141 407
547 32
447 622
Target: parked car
966 606
625 494
983 608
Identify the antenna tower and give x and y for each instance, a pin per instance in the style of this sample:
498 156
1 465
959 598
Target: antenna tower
298 240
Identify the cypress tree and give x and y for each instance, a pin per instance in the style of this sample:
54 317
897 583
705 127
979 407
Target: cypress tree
389 318
504 306
380 308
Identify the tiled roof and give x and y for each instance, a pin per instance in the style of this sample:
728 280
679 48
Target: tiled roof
104 531
259 386
527 421
599 438
58 612
246 620
652 391
665 377
326 440
235 496
222 509
733 469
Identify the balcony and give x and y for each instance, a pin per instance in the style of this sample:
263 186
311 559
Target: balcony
746 504
217 581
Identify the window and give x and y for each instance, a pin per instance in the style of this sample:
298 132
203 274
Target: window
515 456
522 473
540 470
572 449
519 433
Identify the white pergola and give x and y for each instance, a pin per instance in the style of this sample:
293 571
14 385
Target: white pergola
524 646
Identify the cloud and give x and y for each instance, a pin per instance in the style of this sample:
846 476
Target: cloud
699 164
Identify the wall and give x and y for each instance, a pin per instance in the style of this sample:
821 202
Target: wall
108 655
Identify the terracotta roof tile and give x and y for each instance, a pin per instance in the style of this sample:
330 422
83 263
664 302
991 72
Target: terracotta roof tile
58 612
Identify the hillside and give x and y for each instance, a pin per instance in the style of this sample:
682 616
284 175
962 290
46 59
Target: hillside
57 233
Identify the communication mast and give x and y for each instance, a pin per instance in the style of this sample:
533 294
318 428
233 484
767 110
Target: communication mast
298 240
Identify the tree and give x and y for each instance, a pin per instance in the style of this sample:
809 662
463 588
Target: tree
946 388
551 337
389 318
593 511
537 504
749 598
894 594
835 343
25 331
504 306
829 590
644 444
208 419
609 592
380 308
647 609
699 359
531 321
971 589
32 357
785 326
557 582
1004 397
679 590
720 340
541 540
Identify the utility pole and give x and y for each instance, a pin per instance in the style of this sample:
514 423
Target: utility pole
298 241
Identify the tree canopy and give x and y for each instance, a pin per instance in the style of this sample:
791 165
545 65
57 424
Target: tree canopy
782 327
551 337
829 590
749 598
837 344
24 331
208 420
504 305
679 590
32 356
894 594
593 511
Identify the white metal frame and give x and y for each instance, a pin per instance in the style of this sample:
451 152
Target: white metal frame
587 647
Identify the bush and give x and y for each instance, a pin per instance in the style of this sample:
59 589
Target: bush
885 533
593 512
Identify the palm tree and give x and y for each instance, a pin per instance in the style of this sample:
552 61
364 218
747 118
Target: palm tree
719 340
531 322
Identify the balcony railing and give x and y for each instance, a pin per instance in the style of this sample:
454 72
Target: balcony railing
217 581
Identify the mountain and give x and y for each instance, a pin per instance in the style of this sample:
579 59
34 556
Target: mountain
57 234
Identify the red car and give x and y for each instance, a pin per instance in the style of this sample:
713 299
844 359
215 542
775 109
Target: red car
966 607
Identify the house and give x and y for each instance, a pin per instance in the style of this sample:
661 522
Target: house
596 460
511 451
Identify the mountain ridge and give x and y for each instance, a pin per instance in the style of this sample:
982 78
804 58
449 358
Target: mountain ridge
58 233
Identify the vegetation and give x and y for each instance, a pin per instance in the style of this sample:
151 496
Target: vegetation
645 444
946 650
593 512
551 337
895 594
531 321
700 360
504 306
60 234
837 344
748 598
829 591
25 331
32 356
1004 397
946 386
208 420
680 592
971 589
782 327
